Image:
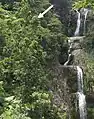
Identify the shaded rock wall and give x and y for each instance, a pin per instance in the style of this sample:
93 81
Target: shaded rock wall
77 50
90 21
64 88
62 9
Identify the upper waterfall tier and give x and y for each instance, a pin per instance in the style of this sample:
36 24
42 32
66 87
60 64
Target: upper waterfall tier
78 24
81 23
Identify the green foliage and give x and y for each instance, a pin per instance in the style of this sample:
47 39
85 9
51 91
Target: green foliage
41 107
83 3
27 47
89 43
79 4
12 109
90 113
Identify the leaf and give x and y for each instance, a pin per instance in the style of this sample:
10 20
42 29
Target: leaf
9 98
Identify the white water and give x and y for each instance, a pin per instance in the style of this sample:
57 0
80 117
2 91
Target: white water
81 96
85 14
66 63
80 79
78 24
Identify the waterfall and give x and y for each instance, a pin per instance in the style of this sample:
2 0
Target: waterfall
69 53
85 14
80 95
80 79
78 24
66 63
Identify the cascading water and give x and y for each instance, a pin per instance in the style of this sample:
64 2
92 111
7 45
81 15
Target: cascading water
80 95
80 79
66 63
78 24
69 53
85 14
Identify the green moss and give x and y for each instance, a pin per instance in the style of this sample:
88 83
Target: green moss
90 113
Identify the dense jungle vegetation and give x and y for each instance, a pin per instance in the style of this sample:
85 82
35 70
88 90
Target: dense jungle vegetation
29 48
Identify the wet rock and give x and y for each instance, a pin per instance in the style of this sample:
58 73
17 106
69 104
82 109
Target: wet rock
90 21
90 99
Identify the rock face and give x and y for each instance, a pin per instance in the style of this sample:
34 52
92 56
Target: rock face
90 21
62 9
72 23
64 87
64 84
90 99
76 49
79 59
